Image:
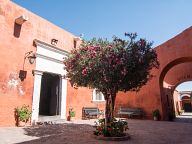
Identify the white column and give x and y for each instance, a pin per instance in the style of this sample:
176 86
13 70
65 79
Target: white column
36 96
63 98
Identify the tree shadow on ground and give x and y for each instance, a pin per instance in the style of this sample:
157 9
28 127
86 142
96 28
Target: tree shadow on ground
58 133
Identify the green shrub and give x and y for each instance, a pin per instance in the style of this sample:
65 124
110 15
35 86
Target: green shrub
23 113
156 113
71 112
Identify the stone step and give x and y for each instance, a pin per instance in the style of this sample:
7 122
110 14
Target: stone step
184 120
49 120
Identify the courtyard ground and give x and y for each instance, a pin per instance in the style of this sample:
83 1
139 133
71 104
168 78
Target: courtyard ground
81 132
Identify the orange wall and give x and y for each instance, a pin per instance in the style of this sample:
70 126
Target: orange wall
79 98
14 44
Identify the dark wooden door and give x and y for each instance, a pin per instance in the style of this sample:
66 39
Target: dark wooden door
187 107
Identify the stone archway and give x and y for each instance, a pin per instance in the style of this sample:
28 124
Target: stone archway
171 54
167 85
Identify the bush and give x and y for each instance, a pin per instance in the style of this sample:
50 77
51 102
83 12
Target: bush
71 112
23 114
156 113
116 129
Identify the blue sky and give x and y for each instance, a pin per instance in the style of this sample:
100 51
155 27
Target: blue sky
155 20
186 86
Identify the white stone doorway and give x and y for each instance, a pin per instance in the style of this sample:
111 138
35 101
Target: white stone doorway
49 72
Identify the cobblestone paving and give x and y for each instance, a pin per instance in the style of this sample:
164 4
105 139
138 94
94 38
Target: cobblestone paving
141 132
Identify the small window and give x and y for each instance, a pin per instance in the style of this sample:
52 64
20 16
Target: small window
97 95
75 43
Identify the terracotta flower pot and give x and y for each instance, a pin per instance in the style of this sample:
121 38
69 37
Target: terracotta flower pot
155 118
21 124
72 118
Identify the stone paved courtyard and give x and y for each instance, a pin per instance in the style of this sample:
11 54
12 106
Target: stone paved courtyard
80 132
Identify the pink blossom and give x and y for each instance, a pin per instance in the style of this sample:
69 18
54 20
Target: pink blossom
110 46
124 72
85 71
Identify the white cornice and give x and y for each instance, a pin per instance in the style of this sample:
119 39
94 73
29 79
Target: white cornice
49 58
50 47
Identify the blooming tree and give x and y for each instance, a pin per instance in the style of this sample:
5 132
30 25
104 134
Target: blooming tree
119 65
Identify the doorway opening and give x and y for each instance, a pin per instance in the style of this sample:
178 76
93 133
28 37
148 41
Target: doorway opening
50 95
183 98
183 102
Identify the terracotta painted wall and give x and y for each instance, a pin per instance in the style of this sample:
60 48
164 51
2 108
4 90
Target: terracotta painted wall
79 98
147 98
14 43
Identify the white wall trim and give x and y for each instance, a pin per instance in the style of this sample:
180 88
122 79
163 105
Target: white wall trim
181 96
50 47
94 97
36 96
49 59
64 98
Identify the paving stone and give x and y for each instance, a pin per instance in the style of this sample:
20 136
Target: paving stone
81 132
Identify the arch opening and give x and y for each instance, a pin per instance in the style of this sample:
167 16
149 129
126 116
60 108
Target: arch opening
183 99
173 74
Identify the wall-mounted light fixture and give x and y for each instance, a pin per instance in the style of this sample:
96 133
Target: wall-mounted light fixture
20 20
54 42
31 57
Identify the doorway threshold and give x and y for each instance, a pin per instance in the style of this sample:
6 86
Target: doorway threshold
51 119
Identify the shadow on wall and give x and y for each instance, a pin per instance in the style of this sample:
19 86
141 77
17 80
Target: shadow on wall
17 30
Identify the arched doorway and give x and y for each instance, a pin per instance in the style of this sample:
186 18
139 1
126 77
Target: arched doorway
175 73
186 104
183 98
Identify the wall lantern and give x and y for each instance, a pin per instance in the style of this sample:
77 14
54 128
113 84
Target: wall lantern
31 57
20 20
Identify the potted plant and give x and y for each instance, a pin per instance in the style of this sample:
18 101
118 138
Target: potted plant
71 114
22 115
156 114
116 130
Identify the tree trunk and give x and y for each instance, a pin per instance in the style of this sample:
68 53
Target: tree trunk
109 108
108 112
113 97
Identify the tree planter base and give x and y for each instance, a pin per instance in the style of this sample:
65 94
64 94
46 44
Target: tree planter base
123 138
